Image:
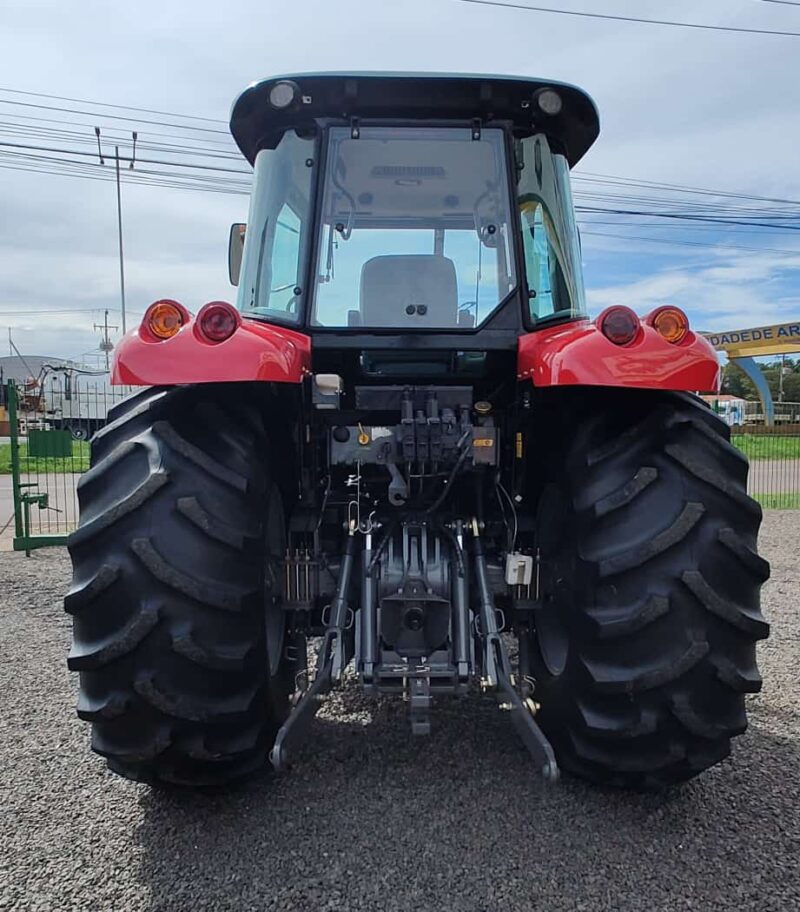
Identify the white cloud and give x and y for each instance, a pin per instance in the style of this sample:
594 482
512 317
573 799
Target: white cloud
681 106
743 291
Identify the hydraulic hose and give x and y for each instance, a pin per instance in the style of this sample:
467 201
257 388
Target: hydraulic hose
450 478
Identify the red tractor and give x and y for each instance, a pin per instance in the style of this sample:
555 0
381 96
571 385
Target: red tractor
409 441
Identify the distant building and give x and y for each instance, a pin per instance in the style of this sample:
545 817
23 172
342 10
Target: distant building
23 370
730 408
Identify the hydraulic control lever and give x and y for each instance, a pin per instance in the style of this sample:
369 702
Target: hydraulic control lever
497 670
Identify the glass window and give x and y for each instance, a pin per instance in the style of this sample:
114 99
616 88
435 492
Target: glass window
546 284
550 236
278 231
414 229
283 278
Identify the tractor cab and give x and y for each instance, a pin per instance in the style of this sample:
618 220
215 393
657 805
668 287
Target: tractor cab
395 205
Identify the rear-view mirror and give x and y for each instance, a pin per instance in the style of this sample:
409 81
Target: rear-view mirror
235 250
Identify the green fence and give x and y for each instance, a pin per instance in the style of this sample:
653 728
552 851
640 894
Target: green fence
45 453
47 450
774 454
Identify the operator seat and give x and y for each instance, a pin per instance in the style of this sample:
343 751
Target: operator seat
408 291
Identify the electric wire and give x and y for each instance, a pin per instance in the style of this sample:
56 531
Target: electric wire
609 181
686 216
632 237
197 162
157 123
662 22
147 161
106 104
632 181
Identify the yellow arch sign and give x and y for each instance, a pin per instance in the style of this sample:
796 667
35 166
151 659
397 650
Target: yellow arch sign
779 339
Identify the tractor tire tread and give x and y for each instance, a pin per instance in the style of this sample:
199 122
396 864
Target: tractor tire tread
82 594
662 620
617 622
212 525
168 610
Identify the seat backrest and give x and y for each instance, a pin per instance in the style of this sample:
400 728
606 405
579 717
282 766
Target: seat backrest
409 291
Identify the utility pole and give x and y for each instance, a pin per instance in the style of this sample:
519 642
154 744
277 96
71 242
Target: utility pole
119 229
119 216
106 345
780 378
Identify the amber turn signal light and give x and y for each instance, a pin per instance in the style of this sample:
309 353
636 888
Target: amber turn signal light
671 323
163 319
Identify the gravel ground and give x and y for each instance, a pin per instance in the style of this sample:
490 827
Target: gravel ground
369 819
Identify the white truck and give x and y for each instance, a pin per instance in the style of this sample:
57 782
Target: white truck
78 401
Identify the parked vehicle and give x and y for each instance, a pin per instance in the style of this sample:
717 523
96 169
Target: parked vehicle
408 439
78 401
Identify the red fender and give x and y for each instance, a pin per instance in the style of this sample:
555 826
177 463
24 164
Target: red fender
578 354
255 351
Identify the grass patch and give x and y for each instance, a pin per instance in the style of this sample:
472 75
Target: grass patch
78 462
767 446
786 501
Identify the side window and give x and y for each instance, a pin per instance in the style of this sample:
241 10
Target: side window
277 235
285 259
546 283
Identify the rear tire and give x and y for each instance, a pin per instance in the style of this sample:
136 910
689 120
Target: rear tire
181 528
645 647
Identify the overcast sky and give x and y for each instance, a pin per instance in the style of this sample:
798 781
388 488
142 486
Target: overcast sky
706 109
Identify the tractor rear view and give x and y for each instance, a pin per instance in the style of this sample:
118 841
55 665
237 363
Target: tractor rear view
409 442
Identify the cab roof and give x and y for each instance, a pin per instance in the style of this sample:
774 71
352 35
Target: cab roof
257 124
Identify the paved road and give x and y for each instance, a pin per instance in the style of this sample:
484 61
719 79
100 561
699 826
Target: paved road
370 819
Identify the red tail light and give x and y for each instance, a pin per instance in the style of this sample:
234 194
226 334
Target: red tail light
217 321
619 325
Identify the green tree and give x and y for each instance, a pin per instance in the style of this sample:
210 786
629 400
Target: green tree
736 383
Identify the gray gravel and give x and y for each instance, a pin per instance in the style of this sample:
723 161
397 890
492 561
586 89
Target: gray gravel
370 819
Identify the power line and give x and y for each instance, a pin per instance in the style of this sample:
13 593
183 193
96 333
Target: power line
157 123
105 104
723 210
671 241
667 22
93 166
612 181
126 179
49 311
717 216
147 161
96 118
83 137
677 215
623 197
632 181
783 2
